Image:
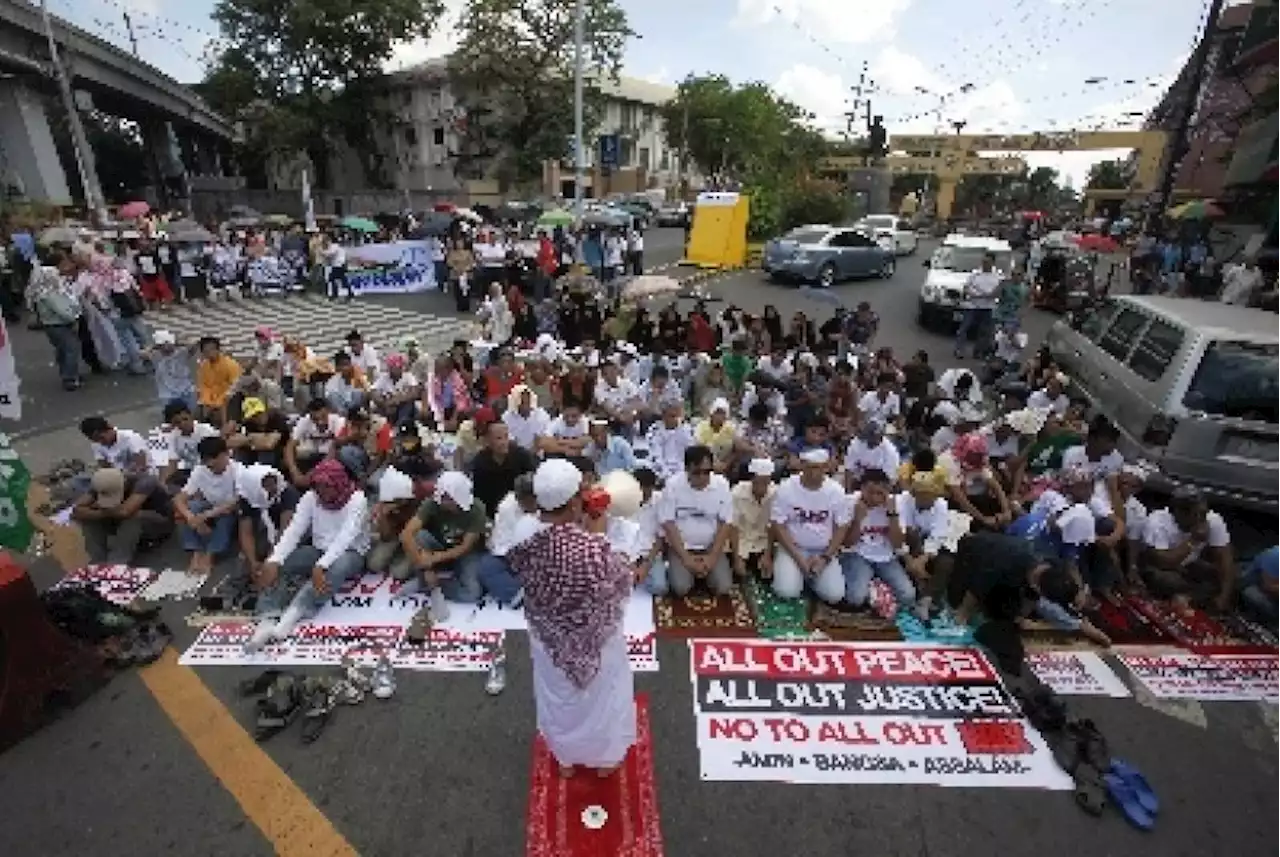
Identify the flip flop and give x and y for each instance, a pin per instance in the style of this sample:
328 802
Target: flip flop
1142 789
1125 797
258 686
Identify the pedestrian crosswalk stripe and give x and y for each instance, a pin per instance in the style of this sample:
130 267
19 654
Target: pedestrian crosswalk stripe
322 324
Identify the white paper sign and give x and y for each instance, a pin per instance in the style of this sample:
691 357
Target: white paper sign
1184 675
1076 674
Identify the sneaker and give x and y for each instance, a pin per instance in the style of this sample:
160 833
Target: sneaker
262 635
419 626
497 680
384 679
439 606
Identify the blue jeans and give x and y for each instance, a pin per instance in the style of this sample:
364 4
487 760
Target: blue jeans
497 579
460 581
296 568
655 582
1056 615
972 318
134 337
858 572
221 531
188 397
65 339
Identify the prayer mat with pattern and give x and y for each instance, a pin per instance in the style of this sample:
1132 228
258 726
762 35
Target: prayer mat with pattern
1197 630
589 816
776 618
702 615
862 626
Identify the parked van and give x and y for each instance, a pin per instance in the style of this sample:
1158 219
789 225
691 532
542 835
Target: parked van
942 302
1192 386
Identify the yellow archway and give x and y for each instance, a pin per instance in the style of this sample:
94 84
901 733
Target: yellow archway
960 151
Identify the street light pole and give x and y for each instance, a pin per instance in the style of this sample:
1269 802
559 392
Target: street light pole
579 154
79 140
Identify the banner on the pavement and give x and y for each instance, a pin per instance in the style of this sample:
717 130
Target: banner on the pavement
861 713
373 612
1184 675
1076 674
119 584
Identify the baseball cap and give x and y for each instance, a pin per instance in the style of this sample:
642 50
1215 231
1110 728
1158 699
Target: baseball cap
108 487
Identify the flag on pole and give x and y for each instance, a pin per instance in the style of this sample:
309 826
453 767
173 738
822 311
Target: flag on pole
308 207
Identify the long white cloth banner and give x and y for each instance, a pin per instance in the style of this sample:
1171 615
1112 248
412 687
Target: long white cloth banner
393 281
405 254
371 615
1076 674
830 713
1184 675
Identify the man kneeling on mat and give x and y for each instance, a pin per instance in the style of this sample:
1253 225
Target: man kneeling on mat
988 563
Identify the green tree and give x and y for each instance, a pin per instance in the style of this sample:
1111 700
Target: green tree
306 75
1108 175
513 75
1039 190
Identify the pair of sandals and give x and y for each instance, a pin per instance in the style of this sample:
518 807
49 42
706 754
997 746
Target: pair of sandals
284 697
1082 752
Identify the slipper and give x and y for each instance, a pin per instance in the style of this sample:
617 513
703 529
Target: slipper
1091 789
1142 789
258 686
1126 797
319 707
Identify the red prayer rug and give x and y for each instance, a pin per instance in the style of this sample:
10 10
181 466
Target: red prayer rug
586 816
1197 630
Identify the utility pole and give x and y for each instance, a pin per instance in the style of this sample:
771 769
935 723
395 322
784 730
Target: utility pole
79 140
128 27
1179 144
579 154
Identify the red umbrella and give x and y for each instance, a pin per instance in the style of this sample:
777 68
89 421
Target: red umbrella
1032 215
137 208
1096 243
445 207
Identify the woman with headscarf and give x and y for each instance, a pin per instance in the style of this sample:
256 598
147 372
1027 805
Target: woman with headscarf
97 306
701 336
495 312
322 548
448 398
972 486
124 305
575 589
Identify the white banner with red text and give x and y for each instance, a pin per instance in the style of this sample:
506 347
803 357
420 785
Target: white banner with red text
1076 674
867 713
1221 677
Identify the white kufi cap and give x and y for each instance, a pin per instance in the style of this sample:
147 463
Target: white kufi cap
555 483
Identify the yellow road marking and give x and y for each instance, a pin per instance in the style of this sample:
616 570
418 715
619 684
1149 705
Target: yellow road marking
272 801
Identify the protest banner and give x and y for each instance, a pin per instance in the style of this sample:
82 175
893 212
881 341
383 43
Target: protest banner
391 268
870 713
1076 674
16 529
1225 678
119 584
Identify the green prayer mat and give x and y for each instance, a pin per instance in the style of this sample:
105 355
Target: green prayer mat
776 618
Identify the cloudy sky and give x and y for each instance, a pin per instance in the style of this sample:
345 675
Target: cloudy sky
1031 65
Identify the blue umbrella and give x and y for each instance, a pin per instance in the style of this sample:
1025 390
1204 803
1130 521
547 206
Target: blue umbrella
822 296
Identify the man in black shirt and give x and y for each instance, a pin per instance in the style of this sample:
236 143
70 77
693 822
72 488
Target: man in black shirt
495 468
120 512
261 434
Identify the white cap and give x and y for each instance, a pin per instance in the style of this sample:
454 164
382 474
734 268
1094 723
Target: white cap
760 467
817 455
164 337
721 404
1077 525
457 487
394 486
555 483
275 352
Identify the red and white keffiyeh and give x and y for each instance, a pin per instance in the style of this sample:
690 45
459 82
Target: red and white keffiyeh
575 587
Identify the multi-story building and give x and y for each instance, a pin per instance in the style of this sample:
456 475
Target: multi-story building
1228 91
418 145
1251 174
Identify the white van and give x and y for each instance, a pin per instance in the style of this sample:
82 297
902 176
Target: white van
942 295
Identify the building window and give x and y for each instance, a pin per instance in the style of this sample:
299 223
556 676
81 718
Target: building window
411 136
437 136
664 162
628 122
644 159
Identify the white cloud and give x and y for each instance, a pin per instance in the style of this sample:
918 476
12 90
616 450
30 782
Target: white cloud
661 76
822 94
827 21
936 101
443 41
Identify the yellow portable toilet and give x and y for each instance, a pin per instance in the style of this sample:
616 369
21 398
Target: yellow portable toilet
718 238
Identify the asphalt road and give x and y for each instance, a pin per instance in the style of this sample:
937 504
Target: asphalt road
442 769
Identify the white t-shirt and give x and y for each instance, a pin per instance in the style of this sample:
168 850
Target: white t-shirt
873 539
776 371
981 288
314 438
128 444
366 361
696 514
1075 457
1163 533
386 386
182 447
647 521
561 429
491 255
871 406
667 447
931 522
525 430
617 397
1239 283
947 384
1135 519
1040 401
508 522
335 255
997 450
214 488
613 248
860 458
811 515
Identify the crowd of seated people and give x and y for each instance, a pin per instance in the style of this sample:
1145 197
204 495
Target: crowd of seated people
810 457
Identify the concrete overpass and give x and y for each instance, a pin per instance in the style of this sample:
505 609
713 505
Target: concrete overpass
175 121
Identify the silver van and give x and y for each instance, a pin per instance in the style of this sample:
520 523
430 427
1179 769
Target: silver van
1192 385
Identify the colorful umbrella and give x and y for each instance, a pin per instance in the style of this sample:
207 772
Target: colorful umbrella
137 208
555 217
1196 209
1096 243
358 224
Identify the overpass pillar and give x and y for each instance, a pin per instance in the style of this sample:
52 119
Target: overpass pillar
28 155
872 184
166 158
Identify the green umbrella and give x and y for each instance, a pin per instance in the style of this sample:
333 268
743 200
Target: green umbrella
555 217
359 224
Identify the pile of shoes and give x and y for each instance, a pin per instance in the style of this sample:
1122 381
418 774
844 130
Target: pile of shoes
62 482
127 636
283 697
1080 749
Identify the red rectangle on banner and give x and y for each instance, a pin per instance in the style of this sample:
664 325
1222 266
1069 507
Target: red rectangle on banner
912 664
